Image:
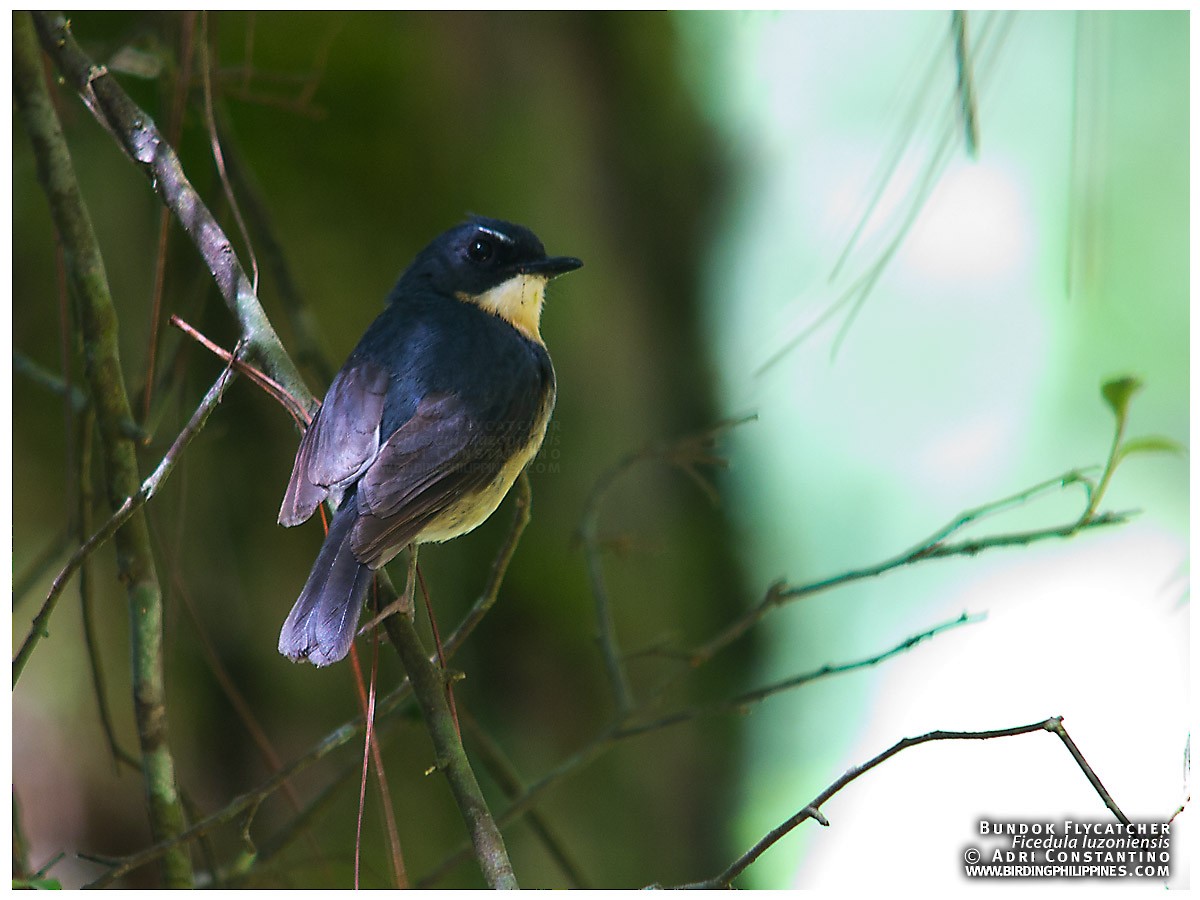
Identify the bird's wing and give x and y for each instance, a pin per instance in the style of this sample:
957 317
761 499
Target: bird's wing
438 456
340 443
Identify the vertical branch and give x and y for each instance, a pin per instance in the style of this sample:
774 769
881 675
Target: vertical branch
98 325
430 691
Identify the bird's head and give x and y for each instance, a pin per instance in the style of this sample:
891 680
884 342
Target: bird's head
501 267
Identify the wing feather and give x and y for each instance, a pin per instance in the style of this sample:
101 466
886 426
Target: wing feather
438 456
340 442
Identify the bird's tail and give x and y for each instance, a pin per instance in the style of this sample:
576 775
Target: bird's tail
321 626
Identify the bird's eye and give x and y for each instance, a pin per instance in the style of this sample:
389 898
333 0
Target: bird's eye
481 250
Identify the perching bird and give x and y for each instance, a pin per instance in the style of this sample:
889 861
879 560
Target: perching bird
443 402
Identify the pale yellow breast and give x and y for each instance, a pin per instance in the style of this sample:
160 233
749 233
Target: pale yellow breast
471 511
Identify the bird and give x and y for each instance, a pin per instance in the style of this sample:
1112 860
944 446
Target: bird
440 406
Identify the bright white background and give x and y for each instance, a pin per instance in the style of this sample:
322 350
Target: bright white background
1055 260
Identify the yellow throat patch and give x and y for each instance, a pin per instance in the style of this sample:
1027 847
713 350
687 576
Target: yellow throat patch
518 301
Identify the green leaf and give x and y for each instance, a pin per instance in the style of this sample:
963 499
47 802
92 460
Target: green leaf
1117 393
36 884
1152 443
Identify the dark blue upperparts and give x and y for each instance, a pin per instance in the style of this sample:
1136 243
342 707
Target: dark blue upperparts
431 344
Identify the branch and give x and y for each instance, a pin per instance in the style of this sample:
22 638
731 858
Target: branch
606 626
142 142
740 703
933 547
86 501
618 731
450 758
25 581
520 805
98 328
298 410
813 809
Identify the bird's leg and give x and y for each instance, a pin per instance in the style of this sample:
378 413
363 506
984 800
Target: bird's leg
403 603
410 583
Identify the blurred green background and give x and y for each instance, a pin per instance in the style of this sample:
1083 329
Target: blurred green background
710 169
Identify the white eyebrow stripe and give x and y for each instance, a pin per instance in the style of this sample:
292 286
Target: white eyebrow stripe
498 235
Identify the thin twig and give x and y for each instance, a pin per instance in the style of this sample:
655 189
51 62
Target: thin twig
932 547
295 408
742 702
24 582
124 512
20 844
368 705
684 453
247 802
265 852
532 793
438 650
86 499
965 83
66 329
372 750
215 143
813 810
606 626
991 39
23 365
1056 726
39 375
306 343
233 694
522 495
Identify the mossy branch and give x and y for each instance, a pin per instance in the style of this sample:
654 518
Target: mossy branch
98 326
